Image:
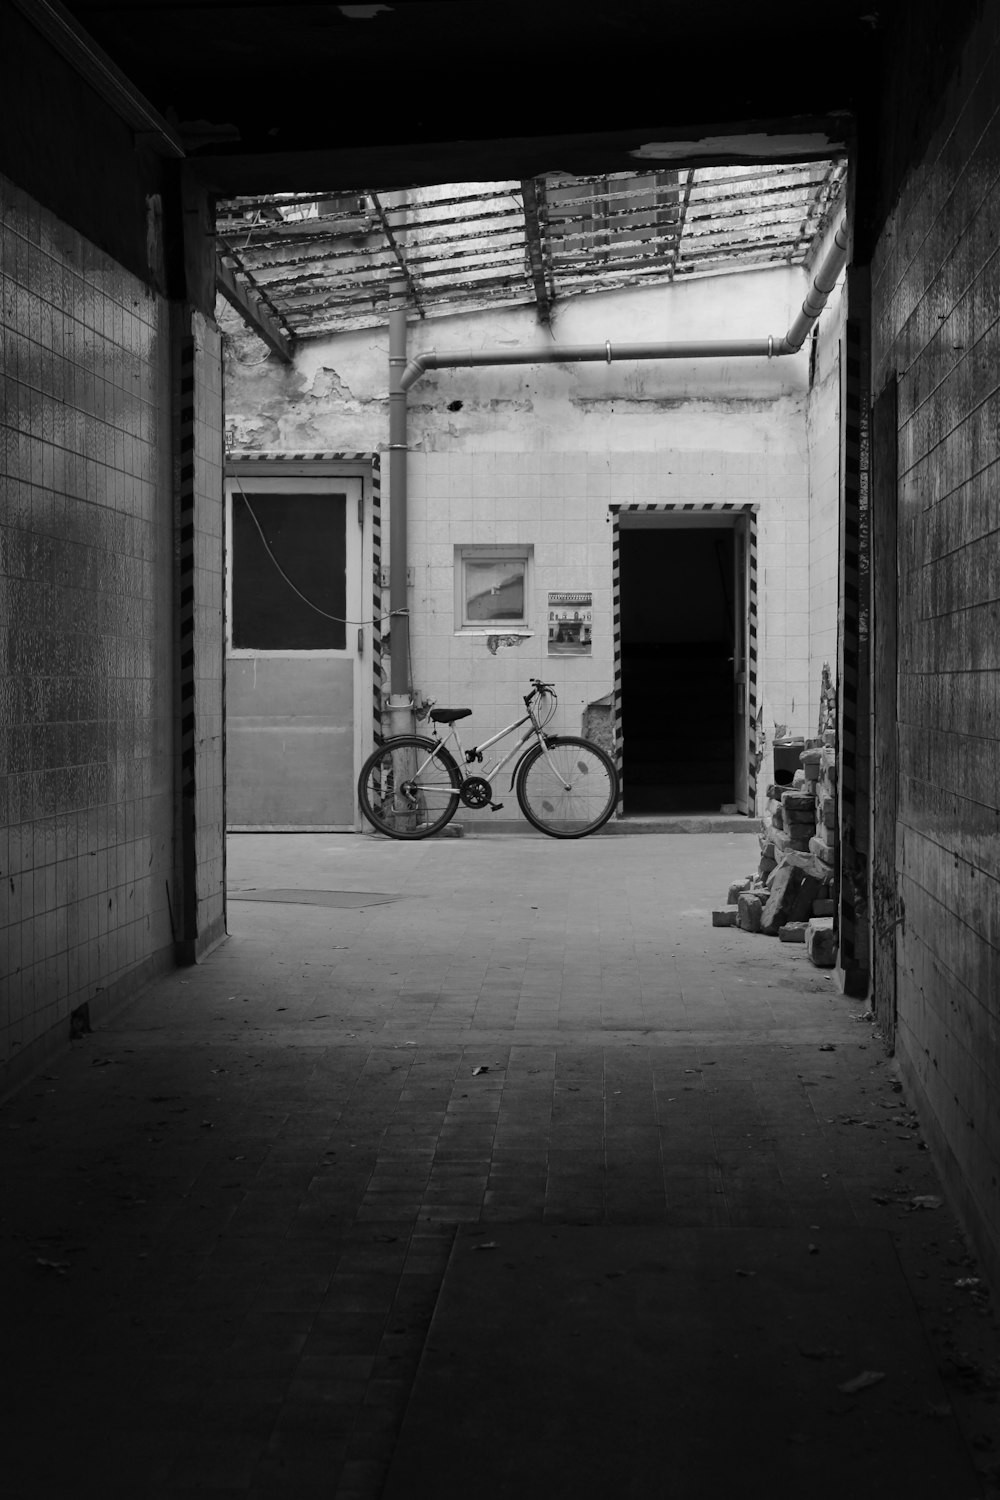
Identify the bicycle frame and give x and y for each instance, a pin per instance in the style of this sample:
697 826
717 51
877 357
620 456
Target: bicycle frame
469 757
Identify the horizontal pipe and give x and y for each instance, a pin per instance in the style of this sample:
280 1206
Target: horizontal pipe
556 354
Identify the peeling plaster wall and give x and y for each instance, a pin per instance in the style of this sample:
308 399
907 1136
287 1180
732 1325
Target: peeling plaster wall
338 386
537 454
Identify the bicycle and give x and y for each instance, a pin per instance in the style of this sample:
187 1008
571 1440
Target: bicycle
566 786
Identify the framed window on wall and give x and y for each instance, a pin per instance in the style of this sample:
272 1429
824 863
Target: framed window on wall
492 588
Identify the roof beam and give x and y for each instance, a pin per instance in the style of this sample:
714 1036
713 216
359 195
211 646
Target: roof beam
249 301
681 217
533 195
393 243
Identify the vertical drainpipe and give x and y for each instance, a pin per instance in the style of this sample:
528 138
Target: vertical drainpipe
400 708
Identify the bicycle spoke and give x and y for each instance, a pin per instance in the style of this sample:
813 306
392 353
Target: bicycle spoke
407 788
569 789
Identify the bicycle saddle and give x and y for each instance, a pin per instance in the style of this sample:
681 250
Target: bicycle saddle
448 715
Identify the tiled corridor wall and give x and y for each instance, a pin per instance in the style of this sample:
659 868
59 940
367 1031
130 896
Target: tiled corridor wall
936 317
86 625
209 575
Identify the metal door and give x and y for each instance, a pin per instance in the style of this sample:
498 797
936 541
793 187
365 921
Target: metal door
294 603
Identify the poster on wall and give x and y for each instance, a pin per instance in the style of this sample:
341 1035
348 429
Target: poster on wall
571 618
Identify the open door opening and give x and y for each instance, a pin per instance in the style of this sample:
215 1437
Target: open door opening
683 670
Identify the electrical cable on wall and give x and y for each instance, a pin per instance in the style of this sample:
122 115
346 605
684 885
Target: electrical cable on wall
246 364
337 619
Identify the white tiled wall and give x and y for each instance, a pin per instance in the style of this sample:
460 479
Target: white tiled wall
85 622
823 419
783 532
559 503
538 453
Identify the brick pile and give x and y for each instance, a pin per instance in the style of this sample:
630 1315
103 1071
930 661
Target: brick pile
790 895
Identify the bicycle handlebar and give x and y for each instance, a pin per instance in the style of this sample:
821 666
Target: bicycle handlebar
546 711
537 688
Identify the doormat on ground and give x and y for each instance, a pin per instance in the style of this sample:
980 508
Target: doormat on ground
689 1364
316 898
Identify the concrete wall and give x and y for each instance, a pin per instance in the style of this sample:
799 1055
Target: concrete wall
86 620
537 454
936 322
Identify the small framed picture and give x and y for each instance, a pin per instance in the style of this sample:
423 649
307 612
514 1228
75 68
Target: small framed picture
571 619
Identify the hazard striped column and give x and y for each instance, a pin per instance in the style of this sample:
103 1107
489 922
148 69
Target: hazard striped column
377 665
616 617
752 664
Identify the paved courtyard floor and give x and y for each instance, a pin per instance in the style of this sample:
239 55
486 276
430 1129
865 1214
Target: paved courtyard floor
229 1214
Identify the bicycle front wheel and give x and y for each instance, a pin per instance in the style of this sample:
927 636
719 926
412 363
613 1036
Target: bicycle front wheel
568 789
408 787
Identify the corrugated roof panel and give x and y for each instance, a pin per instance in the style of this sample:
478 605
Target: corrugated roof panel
327 261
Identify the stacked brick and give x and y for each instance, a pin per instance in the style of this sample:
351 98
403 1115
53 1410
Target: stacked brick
824 843
790 895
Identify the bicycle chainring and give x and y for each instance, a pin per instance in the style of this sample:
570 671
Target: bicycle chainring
476 791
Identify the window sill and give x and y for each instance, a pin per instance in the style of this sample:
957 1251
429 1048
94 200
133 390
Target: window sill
256 653
495 630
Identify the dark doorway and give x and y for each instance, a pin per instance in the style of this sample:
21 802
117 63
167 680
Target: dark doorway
678 586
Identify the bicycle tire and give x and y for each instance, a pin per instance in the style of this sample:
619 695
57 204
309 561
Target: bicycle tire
587 805
390 798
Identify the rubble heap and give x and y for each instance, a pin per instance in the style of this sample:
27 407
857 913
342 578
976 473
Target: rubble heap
790 896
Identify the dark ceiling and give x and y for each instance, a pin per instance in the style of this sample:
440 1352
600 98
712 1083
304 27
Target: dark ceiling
282 97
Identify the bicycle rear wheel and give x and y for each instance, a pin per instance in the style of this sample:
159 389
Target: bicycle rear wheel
568 790
408 787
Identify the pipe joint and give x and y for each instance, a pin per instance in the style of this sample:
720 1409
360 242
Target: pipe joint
416 367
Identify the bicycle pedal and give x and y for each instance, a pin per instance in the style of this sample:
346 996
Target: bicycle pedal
496 806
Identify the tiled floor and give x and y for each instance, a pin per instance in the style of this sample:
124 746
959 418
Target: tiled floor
227 1215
